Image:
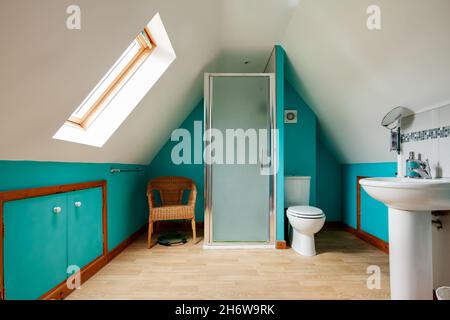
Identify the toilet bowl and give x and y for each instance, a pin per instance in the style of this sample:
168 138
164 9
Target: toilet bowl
304 220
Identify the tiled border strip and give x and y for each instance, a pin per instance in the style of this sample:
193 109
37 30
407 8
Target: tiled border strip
435 133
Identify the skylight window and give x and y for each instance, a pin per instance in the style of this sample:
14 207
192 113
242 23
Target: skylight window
122 87
125 66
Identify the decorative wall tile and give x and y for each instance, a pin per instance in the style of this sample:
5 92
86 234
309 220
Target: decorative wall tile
422 135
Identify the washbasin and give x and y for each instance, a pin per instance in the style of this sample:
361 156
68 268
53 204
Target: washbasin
410 194
410 203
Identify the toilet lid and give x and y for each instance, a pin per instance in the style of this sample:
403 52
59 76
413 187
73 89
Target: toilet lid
305 211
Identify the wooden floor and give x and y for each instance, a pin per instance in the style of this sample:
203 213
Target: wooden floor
339 271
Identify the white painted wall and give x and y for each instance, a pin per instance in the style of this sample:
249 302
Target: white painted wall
271 63
438 153
351 76
47 70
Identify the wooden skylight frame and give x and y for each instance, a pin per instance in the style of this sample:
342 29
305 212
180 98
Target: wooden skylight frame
147 45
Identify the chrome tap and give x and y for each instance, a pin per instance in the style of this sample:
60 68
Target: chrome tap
423 169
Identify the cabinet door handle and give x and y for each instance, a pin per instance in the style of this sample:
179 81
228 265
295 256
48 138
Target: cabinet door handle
77 204
57 209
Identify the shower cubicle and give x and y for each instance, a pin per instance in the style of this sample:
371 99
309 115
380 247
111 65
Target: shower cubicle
240 160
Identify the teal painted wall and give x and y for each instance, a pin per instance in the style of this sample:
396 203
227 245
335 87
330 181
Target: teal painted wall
126 192
162 164
299 154
329 192
280 81
300 141
374 214
307 155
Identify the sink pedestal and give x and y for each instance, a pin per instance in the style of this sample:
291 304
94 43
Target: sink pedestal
410 250
410 255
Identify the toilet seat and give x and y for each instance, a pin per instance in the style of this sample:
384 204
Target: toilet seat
305 212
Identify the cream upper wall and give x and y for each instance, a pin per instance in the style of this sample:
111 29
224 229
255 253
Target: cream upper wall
48 70
349 75
352 76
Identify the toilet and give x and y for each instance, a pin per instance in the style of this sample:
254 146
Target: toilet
305 220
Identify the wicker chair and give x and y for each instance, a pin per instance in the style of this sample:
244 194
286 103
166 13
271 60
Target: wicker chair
171 191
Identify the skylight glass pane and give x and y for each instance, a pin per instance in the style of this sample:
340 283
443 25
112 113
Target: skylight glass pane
107 80
127 82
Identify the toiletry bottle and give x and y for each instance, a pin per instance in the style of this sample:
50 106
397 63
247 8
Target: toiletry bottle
411 165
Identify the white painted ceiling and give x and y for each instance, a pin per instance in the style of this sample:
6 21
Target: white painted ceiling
349 75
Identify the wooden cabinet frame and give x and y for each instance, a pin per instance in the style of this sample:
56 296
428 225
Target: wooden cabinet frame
61 290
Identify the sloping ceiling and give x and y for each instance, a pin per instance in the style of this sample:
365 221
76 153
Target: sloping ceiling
352 76
349 75
47 70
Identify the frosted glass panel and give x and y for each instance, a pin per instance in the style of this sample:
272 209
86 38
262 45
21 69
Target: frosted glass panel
240 194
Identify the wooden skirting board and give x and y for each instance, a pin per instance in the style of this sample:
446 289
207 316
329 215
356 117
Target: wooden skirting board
338 273
122 246
371 239
376 242
281 244
61 291
337 225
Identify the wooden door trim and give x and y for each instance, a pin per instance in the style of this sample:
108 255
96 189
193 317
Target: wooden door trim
45 191
13 195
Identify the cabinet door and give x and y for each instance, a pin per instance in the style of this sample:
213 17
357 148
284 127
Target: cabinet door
85 227
35 246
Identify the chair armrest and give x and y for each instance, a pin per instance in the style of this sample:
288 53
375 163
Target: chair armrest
192 196
151 197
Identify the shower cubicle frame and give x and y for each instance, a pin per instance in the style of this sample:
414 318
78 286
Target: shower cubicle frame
208 227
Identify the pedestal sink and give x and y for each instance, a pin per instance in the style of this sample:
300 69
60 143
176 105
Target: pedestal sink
410 202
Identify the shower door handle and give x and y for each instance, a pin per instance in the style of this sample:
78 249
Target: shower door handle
262 164
260 159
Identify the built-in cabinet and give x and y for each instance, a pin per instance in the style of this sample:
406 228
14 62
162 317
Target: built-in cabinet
84 226
44 235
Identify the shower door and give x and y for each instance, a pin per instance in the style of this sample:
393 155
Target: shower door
239 189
